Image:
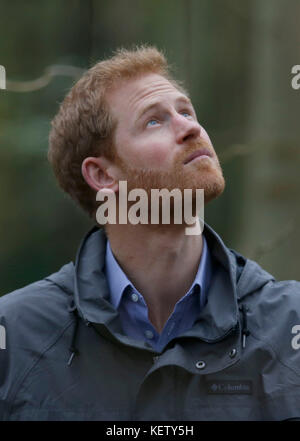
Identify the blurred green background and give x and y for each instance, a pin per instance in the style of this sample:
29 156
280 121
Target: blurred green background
236 59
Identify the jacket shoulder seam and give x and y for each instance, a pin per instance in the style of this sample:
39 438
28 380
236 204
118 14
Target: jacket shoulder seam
62 288
14 393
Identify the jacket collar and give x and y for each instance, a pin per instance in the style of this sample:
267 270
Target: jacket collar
218 318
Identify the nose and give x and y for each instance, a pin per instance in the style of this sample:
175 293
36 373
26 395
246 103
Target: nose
186 129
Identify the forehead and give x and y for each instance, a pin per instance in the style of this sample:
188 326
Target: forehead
134 94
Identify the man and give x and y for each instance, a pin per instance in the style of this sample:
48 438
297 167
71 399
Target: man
149 323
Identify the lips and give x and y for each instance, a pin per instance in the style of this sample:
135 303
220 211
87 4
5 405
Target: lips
200 152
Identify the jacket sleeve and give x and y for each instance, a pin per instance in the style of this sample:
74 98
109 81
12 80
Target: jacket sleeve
5 361
31 320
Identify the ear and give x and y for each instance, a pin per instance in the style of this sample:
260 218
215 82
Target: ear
100 173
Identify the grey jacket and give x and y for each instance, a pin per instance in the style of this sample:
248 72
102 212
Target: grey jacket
64 355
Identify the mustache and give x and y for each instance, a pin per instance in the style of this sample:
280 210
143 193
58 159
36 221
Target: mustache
192 147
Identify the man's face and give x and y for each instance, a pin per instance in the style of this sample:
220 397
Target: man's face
157 131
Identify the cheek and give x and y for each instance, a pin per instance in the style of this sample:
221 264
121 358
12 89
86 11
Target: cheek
155 156
148 154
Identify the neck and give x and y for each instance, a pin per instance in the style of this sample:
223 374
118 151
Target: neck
160 260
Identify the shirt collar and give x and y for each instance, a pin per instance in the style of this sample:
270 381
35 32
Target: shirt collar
116 278
118 281
204 273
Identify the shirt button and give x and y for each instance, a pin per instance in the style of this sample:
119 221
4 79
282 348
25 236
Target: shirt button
149 334
134 297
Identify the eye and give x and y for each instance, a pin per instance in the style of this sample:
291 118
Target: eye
186 114
152 122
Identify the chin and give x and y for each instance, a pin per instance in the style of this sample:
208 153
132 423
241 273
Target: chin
213 185
215 188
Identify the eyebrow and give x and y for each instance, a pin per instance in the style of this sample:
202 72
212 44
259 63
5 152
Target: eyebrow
156 104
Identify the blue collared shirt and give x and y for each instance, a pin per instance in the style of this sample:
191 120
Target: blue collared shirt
133 309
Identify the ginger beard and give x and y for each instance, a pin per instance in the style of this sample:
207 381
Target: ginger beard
203 174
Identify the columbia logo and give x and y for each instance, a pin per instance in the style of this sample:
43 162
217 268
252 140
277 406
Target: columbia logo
229 387
214 387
